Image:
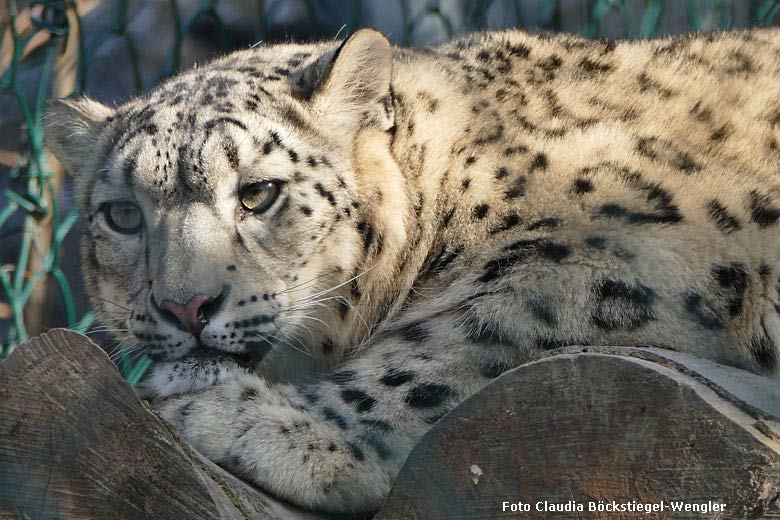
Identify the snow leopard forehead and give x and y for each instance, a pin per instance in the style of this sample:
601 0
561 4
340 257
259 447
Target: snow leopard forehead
243 112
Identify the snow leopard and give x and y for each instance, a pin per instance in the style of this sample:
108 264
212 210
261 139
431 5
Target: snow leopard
326 247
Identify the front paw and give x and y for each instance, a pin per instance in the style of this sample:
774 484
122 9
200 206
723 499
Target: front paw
174 411
188 375
208 420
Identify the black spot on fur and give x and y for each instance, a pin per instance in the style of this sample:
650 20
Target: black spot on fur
596 243
725 221
363 402
306 210
493 369
521 251
647 84
539 162
231 152
762 211
580 186
620 305
543 311
594 67
701 312
396 377
334 417
377 424
326 194
518 50
343 377
515 150
551 63
517 189
445 221
547 343
509 221
491 135
366 230
416 333
553 251
355 451
720 134
733 278
501 173
764 352
664 211
438 260
224 120
738 63
612 210
428 395
380 447
487 333
549 222
667 152
248 394
480 211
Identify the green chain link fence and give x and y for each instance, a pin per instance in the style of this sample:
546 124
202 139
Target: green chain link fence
47 39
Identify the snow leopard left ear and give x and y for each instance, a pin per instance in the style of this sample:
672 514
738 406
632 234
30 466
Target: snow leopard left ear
356 92
72 128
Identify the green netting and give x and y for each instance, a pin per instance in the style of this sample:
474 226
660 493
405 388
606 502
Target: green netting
29 206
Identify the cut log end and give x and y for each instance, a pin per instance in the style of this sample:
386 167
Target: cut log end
623 425
78 443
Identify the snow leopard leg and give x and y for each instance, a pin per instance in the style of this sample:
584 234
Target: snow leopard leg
337 445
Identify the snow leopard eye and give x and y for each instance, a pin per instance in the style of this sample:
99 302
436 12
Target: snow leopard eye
259 196
123 217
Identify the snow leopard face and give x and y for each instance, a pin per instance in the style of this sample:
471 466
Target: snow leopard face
223 214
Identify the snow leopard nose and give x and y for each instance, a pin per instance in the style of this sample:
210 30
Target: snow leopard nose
193 315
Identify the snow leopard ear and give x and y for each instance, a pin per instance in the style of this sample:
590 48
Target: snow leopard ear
72 130
356 91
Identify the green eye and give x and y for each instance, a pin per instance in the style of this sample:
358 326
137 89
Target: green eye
123 217
259 196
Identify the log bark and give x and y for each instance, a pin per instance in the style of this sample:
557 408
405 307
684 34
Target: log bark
584 424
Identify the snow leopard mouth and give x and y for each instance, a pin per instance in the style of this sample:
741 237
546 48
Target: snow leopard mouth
248 359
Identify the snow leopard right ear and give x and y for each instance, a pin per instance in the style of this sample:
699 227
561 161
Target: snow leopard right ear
72 128
349 87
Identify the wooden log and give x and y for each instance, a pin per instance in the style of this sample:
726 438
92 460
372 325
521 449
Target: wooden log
582 425
76 442
605 424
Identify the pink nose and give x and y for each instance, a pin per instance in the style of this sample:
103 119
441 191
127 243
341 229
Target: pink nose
189 314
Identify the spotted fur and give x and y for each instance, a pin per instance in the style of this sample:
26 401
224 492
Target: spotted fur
444 214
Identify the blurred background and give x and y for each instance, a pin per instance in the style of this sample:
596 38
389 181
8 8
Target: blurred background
114 49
